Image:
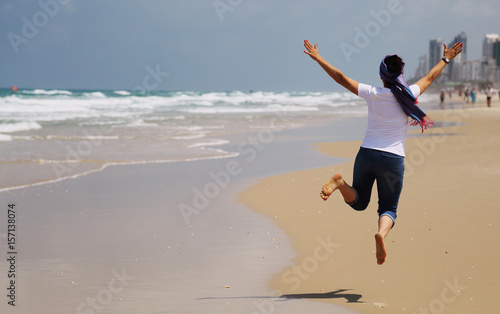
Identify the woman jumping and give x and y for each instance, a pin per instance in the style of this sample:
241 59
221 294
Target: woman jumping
381 155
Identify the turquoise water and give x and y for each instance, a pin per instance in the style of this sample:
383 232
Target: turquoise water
151 126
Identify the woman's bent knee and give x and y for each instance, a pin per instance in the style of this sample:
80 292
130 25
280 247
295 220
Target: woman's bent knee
359 206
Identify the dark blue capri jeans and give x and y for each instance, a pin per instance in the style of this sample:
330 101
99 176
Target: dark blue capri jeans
388 170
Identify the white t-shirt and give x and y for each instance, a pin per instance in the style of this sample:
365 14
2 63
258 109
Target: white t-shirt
387 122
489 92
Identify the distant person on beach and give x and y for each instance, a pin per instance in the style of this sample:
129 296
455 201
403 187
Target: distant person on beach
473 96
489 94
466 96
442 97
381 155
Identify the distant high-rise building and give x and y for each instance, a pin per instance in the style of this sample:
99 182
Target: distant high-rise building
488 43
472 71
454 69
435 51
496 52
488 69
462 38
423 66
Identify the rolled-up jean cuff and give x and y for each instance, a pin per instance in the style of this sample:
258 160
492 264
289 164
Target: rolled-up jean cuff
390 216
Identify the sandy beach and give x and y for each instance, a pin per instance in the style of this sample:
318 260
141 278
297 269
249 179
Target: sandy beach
442 255
115 240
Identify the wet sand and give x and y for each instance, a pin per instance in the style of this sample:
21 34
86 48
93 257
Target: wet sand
116 240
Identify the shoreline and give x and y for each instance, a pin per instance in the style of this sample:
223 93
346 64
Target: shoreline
69 155
86 156
77 233
101 167
24 173
430 247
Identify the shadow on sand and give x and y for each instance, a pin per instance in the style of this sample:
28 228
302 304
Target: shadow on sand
350 297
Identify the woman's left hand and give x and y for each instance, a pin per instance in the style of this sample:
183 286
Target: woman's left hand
312 51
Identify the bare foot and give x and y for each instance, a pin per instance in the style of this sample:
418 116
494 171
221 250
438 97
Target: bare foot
335 182
381 251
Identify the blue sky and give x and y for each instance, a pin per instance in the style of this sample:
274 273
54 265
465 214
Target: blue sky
223 44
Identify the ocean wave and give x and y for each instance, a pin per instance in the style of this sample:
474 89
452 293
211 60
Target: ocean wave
170 116
79 138
19 126
27 138
122 92
141 123
214 142
247 110
217 99
94 95
47 92
128 107
189 137
5 138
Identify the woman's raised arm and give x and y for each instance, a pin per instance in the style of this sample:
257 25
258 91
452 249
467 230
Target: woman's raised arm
451 53
335 73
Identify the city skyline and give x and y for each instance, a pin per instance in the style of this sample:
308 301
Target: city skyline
460 69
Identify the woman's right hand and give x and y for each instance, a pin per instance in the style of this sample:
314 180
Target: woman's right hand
454 51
